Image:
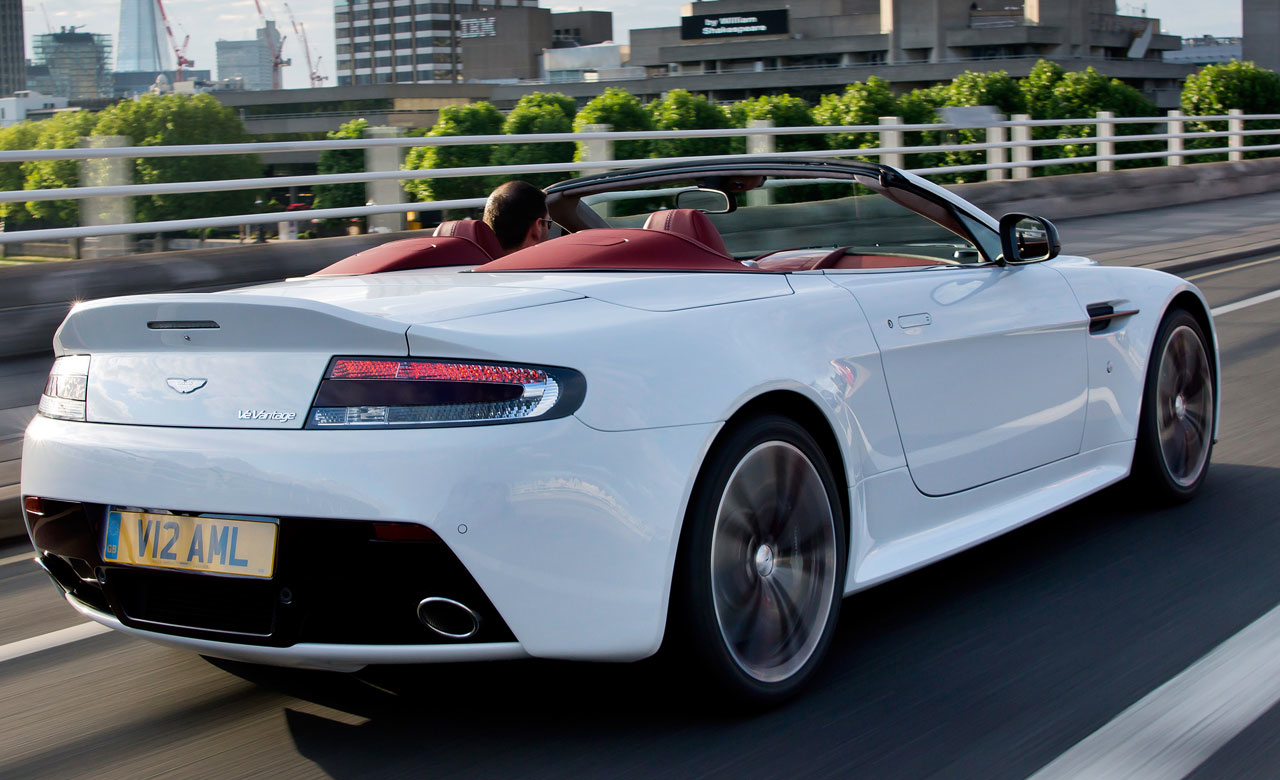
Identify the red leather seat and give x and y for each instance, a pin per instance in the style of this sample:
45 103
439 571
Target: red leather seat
409 253
689 223
475 231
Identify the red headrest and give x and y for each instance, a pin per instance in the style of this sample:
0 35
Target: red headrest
690 223
409 253
475 231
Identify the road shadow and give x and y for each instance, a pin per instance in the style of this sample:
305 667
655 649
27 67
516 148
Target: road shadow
988 664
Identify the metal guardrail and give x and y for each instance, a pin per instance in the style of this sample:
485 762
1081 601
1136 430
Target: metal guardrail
1008 151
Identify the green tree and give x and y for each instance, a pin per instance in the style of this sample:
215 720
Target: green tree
920 107
336 196
20 136
1217 89
479 118
539 112
1082 94
624 112
784 111
996 89
167 120
862 103
680 109
62 131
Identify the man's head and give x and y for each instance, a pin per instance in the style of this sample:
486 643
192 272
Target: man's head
517 212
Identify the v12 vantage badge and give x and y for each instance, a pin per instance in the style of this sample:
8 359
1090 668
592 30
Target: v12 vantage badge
266 414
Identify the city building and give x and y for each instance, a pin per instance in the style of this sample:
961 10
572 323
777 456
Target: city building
504 45
141 46
593 62
24 104
1262 33
13 59
1206 50
756 46
133 83
257 62
407 42
70 64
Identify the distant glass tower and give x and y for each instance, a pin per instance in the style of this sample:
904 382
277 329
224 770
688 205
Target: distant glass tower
141 44
13 63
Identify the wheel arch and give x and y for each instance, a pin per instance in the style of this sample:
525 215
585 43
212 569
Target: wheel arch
795 406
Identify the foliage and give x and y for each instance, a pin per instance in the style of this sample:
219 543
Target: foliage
20 136
680 109
479 118
539 112
784 111
996 89
335 196
61 131
167 120
1218 88
920 107
624 112
862 103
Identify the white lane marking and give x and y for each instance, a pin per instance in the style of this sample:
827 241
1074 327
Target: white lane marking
28 556
50 640
1176 727
1246 303
1232 268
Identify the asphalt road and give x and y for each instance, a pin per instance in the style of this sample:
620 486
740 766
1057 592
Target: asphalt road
990 664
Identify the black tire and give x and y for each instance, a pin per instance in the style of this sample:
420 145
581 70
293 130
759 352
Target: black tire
760 574
1176 424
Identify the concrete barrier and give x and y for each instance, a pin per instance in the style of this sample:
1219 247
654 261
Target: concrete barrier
35 298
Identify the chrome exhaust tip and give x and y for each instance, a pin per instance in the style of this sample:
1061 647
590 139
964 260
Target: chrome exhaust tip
448 618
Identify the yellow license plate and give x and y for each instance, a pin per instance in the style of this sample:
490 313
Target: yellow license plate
220 545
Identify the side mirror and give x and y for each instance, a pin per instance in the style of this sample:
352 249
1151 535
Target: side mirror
1027 239
705 200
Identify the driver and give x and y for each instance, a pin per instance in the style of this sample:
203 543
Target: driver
517 212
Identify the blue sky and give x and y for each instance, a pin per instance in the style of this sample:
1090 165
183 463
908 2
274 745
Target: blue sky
237 19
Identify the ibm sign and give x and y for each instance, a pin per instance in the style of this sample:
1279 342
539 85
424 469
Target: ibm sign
734 25
478 28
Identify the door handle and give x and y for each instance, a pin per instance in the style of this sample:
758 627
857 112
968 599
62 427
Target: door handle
915 320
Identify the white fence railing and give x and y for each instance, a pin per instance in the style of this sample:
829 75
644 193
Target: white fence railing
1008 153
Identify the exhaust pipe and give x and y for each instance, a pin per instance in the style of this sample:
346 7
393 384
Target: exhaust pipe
448 618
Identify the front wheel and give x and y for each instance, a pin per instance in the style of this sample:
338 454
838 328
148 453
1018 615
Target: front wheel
1175 429
762 566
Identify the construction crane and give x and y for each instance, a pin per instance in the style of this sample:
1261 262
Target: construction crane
179 52
313 68
276 48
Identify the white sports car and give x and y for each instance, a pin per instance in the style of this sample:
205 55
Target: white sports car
730 394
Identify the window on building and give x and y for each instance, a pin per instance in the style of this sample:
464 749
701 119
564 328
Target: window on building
382 29
360 31
343 48
341 18
404 27
382 62
344 81
363 63
382 45
385 78
382 13
404 59
360 15
440 24
361 47
364 78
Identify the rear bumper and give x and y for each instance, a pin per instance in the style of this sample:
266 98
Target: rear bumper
331 657
570 532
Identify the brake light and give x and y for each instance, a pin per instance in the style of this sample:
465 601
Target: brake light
66 389
418 392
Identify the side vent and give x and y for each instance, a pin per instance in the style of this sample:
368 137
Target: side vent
1101 315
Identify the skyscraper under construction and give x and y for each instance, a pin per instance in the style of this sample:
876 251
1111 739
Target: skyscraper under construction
140 45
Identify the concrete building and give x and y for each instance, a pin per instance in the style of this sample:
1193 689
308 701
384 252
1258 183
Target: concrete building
504 44
133 83
1262 33
594 62
70 64
25 104
253 61
408 42
1206 50
141 45
907 42
13 59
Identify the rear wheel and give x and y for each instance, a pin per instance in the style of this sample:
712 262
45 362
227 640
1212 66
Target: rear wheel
762 567
1175 430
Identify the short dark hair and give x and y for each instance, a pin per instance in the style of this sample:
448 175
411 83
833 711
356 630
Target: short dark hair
512 208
